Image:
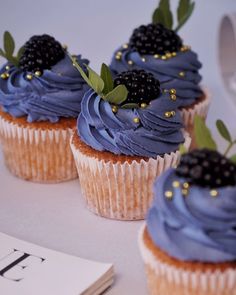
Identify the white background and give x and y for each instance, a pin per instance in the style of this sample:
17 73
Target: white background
54 215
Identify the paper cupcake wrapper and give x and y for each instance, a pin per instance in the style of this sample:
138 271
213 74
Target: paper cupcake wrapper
162 278
201 109
39 155
121 190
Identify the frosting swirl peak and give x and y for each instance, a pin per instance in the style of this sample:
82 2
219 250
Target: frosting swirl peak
196 227
135 132
56 93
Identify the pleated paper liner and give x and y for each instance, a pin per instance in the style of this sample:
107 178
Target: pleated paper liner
199 108
166 275
119 187
40 151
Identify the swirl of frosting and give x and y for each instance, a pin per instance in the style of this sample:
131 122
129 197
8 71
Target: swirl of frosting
196 227
56 93
166 71
153 135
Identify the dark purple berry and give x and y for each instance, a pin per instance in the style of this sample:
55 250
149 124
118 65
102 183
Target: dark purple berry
141 85
155 39
41 53
207 168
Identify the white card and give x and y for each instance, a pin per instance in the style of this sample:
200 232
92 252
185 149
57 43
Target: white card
28 269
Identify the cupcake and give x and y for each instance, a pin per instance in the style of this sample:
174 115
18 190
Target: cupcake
188 243
123 141
40 97
159 50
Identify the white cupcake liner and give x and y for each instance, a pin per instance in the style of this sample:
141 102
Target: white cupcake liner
121 190
199 282
201 109
40 155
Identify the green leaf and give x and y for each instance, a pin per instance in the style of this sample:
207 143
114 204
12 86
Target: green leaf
203 135
117 95
223 130
158 17
162 14
2 53
182 9
95 80
130 106
182 149
107 79
165 8
20 52
183 20
233 158
9 44
78 67
13 60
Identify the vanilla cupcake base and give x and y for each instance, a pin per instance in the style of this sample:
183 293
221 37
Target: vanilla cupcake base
164 276
38 152
199 108
118 187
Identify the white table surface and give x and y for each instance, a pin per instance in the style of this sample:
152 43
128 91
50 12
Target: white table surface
55 216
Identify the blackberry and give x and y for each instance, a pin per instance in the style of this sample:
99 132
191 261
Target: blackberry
41 53
207 168
142 86
155 39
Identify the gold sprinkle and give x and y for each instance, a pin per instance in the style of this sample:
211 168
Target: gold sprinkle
181 74
29 77
7 68
173 97
130 62
186 185
214 193
118 57
184 192
114 109
163 57
168 55
175 184
136 120
38 73
172 91
143 59
169 194
167 114
143 105
7 75
173 54
4 76
182 49
125 46
172 113
156 55
64 46
119 53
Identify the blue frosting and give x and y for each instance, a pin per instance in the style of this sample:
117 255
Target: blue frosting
104 130
196 227
55 94
166 71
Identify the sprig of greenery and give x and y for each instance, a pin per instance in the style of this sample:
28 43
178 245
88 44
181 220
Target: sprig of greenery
103 85
9 48
204 137
162 14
